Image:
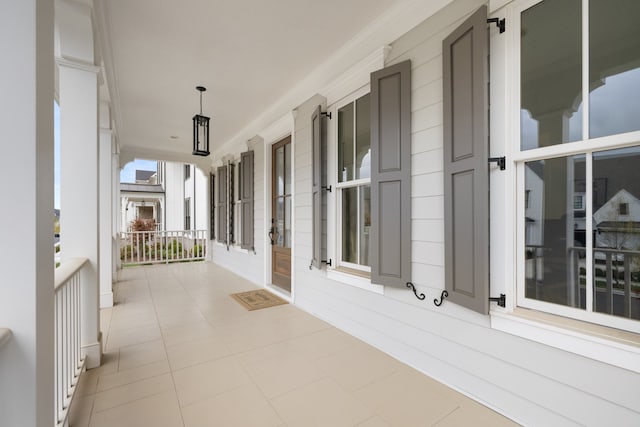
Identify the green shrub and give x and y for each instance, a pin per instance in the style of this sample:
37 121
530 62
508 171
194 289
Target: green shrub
197 251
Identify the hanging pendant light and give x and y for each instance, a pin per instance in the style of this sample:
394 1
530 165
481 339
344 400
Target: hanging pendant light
200 130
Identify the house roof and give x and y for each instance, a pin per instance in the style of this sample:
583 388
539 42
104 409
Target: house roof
142 175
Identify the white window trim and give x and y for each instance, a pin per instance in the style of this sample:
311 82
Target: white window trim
575 335
334 204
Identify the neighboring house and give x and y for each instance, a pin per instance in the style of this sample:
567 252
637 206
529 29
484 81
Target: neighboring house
144 199
617 222
175 197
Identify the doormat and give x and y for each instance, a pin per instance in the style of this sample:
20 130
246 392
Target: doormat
255 300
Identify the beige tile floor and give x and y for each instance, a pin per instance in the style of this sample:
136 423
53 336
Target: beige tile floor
180 352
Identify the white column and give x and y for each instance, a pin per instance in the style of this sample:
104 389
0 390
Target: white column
117 211
105 221
26 194
79 168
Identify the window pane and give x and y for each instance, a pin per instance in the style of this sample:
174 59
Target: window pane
278 232
350 225
363 138
614 67
551 73
345 143
616 222
287 169
287 222
554 231
280 171
365 223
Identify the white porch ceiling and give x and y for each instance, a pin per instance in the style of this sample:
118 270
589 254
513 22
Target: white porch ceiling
247 53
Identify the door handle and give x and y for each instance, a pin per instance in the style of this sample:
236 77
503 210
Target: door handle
271 230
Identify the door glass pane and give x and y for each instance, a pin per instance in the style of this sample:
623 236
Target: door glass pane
614 67
287 169
616 223
280 171
345 143
287 222
363 138
278 232
365 223
350 224
555 231
551 73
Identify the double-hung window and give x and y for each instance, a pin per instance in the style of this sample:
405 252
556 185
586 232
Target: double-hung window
353 184
577 157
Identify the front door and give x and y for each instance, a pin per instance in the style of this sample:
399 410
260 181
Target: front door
280 232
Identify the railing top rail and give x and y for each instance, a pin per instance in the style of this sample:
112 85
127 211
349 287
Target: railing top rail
163 231
67 269
5 335
606 250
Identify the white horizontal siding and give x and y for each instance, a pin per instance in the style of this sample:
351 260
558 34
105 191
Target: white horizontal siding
532 383
248 264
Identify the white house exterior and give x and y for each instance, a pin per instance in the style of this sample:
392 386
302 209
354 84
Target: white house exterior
176 197
418 104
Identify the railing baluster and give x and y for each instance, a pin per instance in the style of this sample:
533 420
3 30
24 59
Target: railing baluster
67 339
143 247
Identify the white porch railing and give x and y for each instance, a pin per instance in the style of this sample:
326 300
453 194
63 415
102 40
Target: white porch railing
616 277
146 247
69 362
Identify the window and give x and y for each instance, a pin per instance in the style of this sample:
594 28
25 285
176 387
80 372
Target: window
187 213
187 172
353 184
234 204
579 145
623 209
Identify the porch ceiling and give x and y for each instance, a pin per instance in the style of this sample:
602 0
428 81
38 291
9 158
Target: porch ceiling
247 53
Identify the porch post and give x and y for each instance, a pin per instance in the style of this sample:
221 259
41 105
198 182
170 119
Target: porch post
26 194
106 198
79 163
116 210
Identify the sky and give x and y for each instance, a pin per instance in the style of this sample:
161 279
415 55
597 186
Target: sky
128 173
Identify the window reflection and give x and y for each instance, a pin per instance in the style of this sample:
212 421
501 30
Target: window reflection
551 72
554 229
616 222
614 67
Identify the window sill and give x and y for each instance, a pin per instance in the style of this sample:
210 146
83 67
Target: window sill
239 249
608 345
355 278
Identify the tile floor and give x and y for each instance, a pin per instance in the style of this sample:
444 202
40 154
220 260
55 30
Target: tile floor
180 352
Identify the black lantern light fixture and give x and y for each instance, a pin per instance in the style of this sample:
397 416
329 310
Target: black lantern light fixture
200 130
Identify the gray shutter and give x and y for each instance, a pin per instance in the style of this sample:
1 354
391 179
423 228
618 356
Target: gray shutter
222 204
466 176
246 196
391 175
232 203
316 187
212 206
